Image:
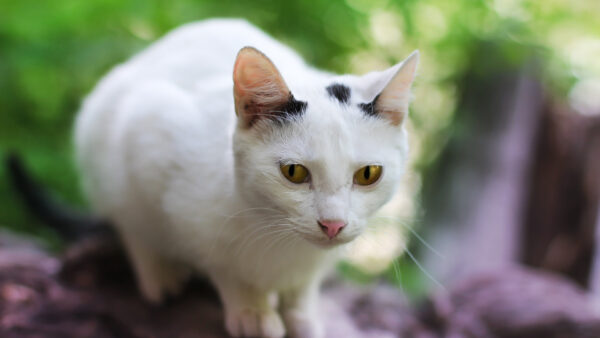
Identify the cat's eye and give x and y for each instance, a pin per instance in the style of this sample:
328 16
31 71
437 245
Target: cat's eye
368 175
295 173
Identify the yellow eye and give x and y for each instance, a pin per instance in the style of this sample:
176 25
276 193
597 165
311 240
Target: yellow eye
367 175
295 173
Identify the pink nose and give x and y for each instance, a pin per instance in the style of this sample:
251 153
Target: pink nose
331 227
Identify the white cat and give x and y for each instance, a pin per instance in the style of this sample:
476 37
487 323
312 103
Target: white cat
260 202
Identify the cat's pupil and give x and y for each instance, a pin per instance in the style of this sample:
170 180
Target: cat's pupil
291 170
367 172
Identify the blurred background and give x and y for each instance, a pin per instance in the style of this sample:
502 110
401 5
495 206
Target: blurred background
505 129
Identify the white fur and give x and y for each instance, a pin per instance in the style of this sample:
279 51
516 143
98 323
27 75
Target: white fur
190 191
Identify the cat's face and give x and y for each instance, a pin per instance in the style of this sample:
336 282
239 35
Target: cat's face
326 159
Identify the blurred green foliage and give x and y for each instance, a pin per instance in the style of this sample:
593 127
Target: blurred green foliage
53 52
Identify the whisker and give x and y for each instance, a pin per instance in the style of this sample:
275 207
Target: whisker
262 232
398 274
414 259
421 239
275 235
423 270
258 225
281 238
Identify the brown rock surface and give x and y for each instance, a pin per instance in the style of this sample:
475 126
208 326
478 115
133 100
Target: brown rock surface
89 292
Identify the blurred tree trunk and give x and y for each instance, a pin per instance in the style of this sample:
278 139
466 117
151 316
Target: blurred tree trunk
559 227
594 281
475 195
518 181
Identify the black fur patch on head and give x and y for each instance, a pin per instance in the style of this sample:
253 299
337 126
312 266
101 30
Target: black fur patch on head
288 110
291 107
339 91
276 113
369 108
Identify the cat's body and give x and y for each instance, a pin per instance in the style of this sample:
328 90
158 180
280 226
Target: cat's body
192 188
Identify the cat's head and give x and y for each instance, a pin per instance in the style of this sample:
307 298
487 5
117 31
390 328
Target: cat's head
326 155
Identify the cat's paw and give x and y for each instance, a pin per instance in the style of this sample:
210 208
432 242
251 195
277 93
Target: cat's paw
162 281
151 290
303 325
252 323
174 280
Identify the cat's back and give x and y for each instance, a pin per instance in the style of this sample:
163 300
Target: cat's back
204 52
210 47
196 58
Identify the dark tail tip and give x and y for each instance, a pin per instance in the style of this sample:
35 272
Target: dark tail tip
13 163
16 171
68 222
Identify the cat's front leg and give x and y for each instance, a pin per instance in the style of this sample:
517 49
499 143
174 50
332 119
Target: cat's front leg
300 310
156 276
248 312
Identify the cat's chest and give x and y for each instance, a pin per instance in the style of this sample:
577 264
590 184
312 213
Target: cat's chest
283 266
275 260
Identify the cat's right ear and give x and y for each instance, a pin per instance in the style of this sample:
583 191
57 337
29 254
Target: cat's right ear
258 88
392 89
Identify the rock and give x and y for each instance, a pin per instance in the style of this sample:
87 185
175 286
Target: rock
90 292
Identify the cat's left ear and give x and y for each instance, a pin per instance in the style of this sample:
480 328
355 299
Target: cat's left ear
259 89
393 100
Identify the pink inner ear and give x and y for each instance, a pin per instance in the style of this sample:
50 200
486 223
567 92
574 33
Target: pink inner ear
252 77
394 98
257 85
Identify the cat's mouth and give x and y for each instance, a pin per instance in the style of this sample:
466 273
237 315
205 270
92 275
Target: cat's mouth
332 243
326 243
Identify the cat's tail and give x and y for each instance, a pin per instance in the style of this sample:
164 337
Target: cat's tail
67 221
